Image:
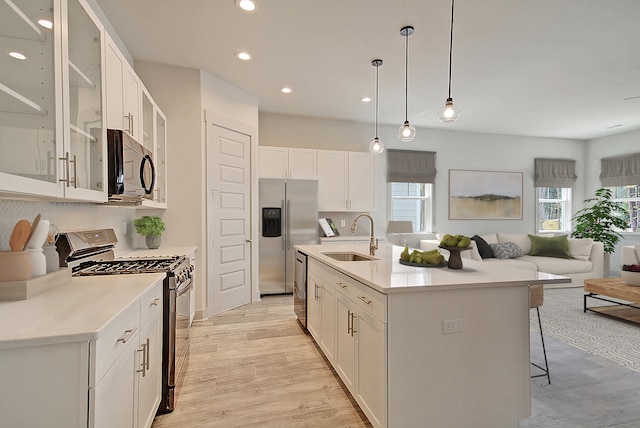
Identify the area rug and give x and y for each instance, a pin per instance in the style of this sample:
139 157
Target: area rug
563 318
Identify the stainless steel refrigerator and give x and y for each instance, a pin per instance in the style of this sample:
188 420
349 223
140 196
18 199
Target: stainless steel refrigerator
288 217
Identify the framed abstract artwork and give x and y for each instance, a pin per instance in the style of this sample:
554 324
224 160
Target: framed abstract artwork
485 195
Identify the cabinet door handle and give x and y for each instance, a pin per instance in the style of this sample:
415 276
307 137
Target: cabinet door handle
75 170
156 301
143 368
340 284
65 159
127 335
349 321
364 299
353 329
146 363
316 296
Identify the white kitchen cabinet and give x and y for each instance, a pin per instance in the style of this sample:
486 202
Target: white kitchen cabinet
345 360
123 92
149 367
346 181
362 182
359 332
287 163
154 138
52 129
90 383
321 314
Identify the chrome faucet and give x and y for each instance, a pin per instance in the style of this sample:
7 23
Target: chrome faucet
373 244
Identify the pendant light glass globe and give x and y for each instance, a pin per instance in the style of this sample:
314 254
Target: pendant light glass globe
376 147
449 113
406 132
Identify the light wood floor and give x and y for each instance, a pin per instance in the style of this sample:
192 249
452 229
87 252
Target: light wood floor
254 366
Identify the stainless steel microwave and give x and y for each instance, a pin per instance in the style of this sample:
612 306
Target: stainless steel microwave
131 172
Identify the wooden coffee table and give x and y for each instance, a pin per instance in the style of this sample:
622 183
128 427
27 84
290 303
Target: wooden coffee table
606 288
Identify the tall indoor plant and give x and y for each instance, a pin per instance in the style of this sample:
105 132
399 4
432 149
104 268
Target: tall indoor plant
601 222
151 227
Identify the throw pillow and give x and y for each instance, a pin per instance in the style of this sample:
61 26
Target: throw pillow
580 248
506 250
483 247
519 238
558 246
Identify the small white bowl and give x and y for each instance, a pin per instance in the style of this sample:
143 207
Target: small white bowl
631 278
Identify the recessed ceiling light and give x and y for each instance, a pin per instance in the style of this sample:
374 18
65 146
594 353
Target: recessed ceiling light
17 55
247 5
45 23
365 99
244 56
286 90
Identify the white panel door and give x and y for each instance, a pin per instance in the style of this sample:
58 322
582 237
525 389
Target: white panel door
332 181
228 218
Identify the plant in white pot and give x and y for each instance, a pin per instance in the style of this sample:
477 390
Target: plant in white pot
151 227
601 222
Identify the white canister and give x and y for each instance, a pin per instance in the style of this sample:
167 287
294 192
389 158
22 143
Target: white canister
38 262
51 255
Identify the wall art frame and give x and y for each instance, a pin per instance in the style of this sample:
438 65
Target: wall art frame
485 195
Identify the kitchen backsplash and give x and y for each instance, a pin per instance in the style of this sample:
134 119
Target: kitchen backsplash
69 217
363 226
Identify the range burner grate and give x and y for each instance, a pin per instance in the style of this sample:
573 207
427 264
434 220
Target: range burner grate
129 266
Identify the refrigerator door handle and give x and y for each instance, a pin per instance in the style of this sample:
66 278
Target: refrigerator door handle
283 234
288 224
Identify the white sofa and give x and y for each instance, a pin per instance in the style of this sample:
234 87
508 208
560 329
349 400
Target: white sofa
587 261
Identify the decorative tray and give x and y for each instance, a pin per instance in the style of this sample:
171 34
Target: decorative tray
402 262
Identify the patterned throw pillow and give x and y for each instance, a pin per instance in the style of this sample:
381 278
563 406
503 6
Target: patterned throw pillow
506 250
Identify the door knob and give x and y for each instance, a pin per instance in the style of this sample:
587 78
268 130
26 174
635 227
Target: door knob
248 240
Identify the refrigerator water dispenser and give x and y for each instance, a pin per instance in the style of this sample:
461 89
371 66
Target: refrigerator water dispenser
271 222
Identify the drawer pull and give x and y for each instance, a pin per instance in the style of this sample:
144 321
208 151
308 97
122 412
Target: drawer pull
127 335
341 284
156 301
364 299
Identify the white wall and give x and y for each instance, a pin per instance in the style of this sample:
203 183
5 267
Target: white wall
455 150
605 147
184 94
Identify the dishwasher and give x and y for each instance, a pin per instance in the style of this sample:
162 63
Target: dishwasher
300 289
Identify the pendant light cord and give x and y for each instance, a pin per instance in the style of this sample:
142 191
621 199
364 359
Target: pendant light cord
377 67
406 76
451 46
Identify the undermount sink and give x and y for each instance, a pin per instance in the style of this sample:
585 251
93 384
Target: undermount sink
349 257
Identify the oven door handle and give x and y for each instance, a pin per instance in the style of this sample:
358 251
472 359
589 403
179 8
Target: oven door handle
184 289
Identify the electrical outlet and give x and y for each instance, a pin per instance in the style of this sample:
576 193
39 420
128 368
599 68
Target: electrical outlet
451 326
342 223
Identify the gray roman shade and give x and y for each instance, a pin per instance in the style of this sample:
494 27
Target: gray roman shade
555 173
620 170
411 166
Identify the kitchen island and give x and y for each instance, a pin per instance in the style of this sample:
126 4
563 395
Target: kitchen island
424 346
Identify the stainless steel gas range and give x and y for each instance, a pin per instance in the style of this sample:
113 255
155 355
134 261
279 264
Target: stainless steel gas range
91 253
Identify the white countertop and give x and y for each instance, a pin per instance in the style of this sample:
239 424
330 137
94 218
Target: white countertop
72 312
158 252
387 275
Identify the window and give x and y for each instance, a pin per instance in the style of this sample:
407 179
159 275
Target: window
629 197
554 209
412 202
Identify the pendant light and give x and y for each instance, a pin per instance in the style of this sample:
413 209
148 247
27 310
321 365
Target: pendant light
450 112
376 147
406 132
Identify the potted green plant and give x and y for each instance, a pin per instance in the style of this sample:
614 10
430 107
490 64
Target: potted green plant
151 227
601 222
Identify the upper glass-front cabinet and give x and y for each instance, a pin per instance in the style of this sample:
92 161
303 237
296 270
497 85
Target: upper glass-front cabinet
51 109
29 131
86 135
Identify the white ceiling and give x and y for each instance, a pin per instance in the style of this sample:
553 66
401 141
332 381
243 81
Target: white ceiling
551 68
